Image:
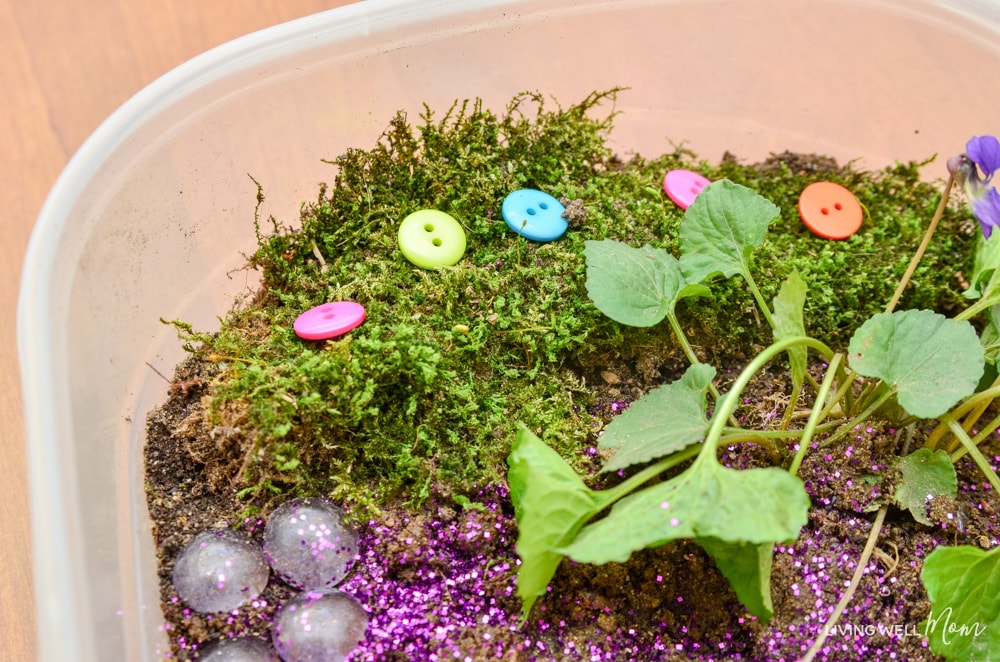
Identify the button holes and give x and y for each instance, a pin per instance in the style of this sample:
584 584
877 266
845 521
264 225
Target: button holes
543 205
429 227
436 241
824 211
329 316
532 212
838 206
695 190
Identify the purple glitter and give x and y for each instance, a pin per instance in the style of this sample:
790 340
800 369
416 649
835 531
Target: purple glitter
443 587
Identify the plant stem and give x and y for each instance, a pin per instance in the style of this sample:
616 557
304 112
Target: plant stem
843 393
824 391
730 401
739 435
987 431
970 421
682 339
797 389
978 307
793 400
855 582
759 297
866 392
904 281
847 427
974 451
612 494
846 391
691 356
988 395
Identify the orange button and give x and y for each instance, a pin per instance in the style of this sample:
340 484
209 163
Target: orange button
830 210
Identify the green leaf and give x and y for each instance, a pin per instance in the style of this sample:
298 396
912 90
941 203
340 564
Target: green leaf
748 568
985 275
667 419
924 474
635 286
788 322
551 503
963 584
467 504
707 500
990 337
931 361
720 230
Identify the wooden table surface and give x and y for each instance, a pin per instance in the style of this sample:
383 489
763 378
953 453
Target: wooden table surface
69 64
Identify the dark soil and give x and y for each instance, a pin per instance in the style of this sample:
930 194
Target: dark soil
664 604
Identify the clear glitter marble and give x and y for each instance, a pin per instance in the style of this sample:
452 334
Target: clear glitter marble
308 545
319 627
239 650
219 571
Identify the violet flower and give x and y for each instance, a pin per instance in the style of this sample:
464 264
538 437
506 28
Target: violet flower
982 155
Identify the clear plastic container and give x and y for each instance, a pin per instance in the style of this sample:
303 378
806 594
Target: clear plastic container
149 219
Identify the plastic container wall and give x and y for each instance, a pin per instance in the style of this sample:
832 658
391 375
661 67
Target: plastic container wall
150 217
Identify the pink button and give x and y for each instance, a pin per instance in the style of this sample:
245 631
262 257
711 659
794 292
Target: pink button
329 320
683 186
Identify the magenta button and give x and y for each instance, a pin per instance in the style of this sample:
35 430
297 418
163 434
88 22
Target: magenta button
683 186
329 320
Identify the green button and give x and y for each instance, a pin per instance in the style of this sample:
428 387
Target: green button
430 238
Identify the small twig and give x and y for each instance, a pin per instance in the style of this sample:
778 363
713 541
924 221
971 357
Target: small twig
319 257
909 438
855 582
891 562
162 376
905 280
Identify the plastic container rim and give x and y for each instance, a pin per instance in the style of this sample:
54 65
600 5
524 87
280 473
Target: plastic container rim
38 346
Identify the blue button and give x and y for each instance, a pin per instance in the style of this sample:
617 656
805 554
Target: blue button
535 215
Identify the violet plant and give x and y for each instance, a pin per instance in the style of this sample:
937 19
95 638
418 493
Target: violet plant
910 365
962 581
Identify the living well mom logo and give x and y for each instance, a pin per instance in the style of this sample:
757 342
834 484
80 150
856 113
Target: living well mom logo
944 626
939 625
947 634
955 634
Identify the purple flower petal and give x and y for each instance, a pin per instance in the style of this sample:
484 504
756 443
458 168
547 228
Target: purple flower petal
985 153
986 209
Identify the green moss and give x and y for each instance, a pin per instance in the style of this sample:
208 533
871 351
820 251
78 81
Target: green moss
853 279
428 390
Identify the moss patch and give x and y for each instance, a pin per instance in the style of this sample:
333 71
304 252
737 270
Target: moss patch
424 396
